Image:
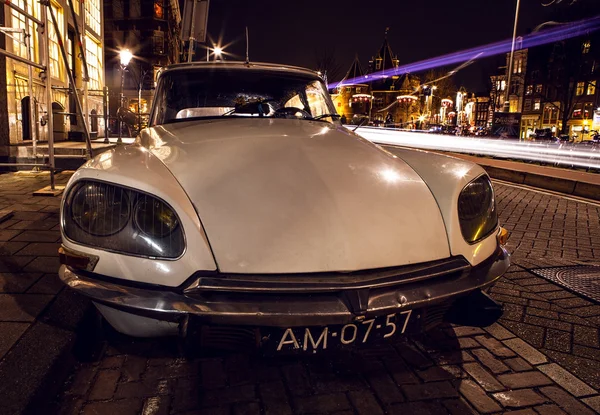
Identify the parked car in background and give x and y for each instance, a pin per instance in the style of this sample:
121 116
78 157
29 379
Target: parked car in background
247 205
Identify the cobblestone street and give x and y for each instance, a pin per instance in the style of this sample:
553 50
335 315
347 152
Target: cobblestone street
542 357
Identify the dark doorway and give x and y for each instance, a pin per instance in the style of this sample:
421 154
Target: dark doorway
26 118
94 123
58 121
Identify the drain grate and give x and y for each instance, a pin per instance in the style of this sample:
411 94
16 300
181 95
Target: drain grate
584 280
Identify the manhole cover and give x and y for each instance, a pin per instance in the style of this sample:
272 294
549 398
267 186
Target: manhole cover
584 280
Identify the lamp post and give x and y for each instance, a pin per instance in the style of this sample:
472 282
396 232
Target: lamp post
125 57
510 61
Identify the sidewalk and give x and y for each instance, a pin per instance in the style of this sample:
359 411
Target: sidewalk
38 317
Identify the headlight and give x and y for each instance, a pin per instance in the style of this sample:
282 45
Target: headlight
477 210
121 220
100 209
154 217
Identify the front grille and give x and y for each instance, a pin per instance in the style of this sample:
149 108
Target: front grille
326 282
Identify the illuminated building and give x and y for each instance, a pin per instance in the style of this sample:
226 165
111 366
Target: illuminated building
352 99
586 87
561 91
477 110
151 30
14 82
386 106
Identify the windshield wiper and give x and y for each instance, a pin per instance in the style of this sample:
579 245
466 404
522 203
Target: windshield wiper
334 116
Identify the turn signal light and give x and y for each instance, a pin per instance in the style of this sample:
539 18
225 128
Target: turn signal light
502 236
77 260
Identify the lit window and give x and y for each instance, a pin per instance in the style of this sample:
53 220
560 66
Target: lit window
358 90
536 104
586 47
591 89
578 110
502 85
56 64
580 88
348 89
18 22
518 66
92 16
539 88
378 64
529 90
159 9
94 62
587 110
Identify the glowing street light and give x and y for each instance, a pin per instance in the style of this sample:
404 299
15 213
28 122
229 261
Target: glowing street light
218 51
125 57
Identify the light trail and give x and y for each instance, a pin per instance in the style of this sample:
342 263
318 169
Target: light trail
557 154
566 31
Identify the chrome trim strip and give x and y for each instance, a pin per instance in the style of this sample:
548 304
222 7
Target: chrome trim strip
284 310
327 282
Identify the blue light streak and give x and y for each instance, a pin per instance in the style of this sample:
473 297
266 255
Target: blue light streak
566 31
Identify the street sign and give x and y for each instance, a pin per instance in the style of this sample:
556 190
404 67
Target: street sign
506 124
195 19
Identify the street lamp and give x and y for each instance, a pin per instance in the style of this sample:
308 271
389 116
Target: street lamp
218 52
511 59
125 57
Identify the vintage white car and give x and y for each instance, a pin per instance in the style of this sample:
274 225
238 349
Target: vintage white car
247 206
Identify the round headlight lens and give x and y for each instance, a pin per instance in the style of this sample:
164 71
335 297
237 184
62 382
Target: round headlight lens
154 218
477 210
100 209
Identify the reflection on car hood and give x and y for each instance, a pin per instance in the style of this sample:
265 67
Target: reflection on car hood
286 196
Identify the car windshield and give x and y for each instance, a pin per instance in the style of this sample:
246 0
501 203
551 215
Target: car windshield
205 93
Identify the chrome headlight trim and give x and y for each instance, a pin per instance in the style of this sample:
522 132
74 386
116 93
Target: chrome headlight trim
477 213
140 244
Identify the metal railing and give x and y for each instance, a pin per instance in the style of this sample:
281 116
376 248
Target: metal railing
47 18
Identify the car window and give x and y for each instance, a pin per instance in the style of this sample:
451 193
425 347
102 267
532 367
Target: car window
183 94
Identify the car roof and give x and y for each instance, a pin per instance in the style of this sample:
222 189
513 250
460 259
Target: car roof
271 67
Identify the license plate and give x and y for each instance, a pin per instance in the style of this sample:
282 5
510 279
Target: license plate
313 339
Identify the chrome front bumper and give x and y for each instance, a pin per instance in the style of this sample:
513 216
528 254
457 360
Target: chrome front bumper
254 302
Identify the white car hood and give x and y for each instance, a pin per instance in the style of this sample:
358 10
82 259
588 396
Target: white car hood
292 196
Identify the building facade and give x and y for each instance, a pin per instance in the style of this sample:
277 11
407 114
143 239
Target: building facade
554 87
352 98
477 110
151 30
15 81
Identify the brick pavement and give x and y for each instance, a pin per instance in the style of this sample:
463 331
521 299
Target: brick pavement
38 317
542 357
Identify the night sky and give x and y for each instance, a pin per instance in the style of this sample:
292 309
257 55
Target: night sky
291 32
